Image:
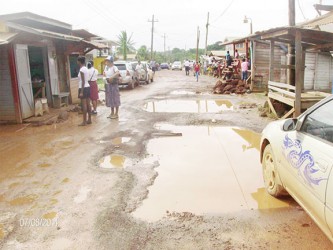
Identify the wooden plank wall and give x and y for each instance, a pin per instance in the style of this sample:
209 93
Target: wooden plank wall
7 107
74 87
262 54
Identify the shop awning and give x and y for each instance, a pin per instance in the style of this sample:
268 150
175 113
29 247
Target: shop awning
6 37
60 36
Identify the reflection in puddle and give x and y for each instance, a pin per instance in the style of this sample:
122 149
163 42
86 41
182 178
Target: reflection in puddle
209 173
25 200
182 92
120 140
188 106
113 161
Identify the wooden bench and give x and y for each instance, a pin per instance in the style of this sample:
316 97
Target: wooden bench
60 100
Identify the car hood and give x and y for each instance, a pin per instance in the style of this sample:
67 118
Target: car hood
272 129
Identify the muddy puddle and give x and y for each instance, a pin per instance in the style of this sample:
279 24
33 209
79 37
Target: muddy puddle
114 161
207 170
188 106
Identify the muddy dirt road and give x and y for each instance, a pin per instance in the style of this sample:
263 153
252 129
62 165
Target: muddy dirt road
179 170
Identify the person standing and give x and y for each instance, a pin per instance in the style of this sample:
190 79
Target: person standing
84 90
228 59
112 77
153 66
93 74
245 67
187 67
138 70
197 70
236 54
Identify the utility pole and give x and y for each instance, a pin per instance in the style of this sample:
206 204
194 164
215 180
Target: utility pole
291 48
198 38
152 21
207 24
164 36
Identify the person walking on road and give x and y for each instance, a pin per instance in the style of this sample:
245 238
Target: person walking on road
187 67
93 74
112 87
197 70
84 90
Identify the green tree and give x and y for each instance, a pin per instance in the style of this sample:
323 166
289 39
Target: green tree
143 53
125 44
215 46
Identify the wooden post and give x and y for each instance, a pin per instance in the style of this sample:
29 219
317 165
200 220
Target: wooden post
299 71
14 83
271 61
234 48
291 48
247 48
253 60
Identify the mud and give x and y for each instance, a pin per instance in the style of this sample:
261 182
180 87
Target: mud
53 172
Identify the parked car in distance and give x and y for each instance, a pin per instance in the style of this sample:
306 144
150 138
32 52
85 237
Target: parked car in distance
177 65
164 66
297 158
127 73
146 75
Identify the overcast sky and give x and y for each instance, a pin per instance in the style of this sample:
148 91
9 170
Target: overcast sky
177 19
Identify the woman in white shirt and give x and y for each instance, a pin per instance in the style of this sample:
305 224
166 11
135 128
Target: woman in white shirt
84 90
112 91
93 74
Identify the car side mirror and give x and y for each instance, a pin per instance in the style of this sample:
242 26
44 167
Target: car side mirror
289 125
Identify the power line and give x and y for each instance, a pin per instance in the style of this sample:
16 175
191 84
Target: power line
224 11
300 8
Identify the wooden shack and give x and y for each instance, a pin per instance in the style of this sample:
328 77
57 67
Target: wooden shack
307 43
37 60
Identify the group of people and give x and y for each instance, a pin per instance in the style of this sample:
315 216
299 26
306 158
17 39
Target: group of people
196 68
88 88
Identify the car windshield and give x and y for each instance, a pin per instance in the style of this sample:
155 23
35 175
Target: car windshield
121 66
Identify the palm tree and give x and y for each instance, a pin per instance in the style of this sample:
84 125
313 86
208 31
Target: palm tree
125 44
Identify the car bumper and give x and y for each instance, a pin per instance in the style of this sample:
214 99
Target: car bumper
125 80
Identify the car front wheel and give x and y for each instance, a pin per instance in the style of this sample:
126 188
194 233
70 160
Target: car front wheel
271 176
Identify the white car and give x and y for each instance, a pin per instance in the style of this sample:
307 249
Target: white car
176 65
297 157
127 74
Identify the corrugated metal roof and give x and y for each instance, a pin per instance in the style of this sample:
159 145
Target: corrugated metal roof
44 33
319 21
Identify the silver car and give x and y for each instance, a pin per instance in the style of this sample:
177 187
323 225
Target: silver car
127 74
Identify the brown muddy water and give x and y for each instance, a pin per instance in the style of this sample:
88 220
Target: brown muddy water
114 161
208 170
188 106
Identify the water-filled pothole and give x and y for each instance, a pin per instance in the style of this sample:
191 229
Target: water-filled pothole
207 170
188 106
114 161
